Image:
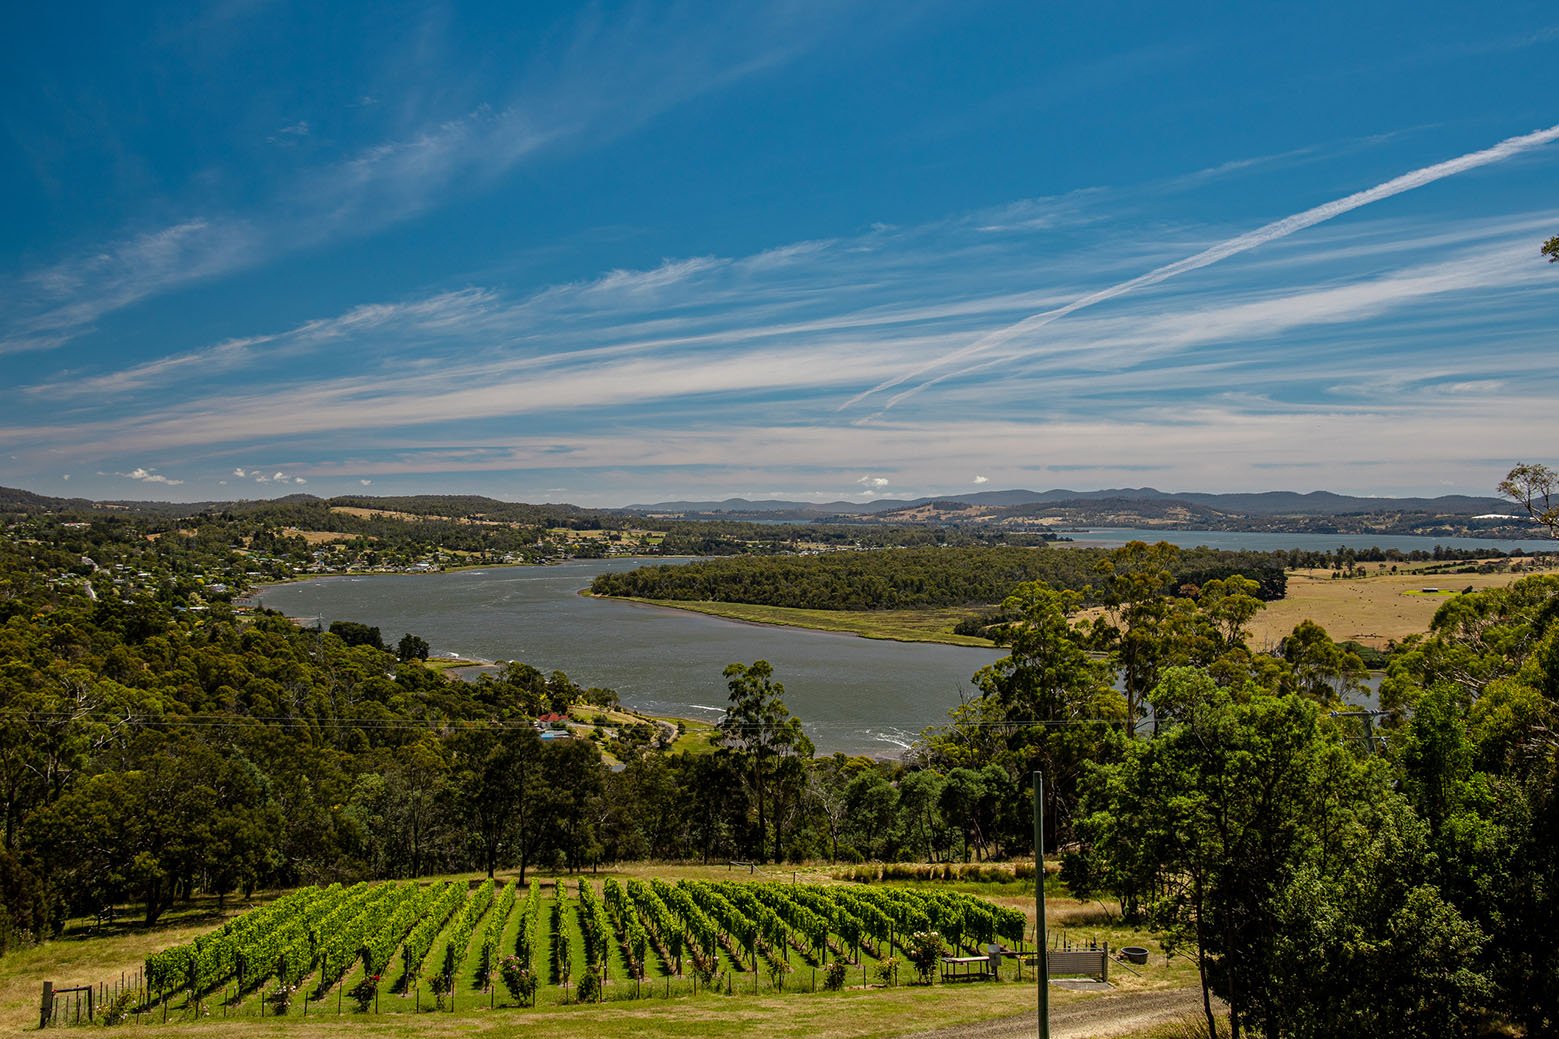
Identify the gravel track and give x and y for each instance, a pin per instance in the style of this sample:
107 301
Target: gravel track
1114 1014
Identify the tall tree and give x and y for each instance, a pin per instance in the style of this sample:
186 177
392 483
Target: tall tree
495 771
1201 825
759 730
1535 488
1321 669
412 647
1143 627
1046 706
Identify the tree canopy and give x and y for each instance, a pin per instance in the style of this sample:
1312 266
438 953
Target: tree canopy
1535 488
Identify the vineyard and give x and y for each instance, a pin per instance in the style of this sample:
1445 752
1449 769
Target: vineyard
394 947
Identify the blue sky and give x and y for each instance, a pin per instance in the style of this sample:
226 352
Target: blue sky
620 253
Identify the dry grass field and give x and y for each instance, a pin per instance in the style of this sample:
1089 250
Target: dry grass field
1372 610
413 517
317 537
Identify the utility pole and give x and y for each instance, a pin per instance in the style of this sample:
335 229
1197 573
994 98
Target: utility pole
1041 959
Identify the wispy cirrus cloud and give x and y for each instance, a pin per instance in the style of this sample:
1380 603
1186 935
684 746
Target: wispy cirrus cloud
608 80
290 135
729 368
426 315
52 305
1216 253
1196 444
807 331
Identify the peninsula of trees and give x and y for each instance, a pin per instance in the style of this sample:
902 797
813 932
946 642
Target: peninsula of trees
917 578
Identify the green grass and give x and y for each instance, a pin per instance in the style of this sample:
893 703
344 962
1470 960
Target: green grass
696 737
897 625
860 1010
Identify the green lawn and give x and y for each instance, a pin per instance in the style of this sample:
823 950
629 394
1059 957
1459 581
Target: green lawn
899 625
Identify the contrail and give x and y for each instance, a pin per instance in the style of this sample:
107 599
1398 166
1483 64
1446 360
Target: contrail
1223 250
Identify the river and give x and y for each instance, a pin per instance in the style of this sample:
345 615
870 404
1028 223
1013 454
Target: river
853 694
860 696
1267 541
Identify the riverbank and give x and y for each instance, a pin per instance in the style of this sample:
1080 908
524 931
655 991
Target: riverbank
678 734
1376 605
855 695
891 625
252 592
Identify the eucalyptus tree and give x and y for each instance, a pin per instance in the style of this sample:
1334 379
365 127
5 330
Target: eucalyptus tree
496 773
769 743
1047 706
1199 828
1320 668
1144 628
1535 487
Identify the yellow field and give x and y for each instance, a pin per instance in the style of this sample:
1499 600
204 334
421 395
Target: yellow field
317 537
413 517
1371 610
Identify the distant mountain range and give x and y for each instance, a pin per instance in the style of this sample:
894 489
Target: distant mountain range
1023 511
1265 503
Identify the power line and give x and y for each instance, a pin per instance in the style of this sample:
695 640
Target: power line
281 721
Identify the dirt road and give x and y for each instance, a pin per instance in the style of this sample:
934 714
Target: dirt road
1105 1015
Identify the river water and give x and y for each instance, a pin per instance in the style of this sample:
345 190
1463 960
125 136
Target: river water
1267 541
860 696
853 694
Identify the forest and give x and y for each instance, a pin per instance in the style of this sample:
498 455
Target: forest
1324 866
915 578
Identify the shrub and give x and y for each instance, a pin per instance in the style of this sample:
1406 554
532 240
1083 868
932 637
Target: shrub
589 989
519 979
923 950
364 992
280 998
440 983
888 971
117 1010
834 975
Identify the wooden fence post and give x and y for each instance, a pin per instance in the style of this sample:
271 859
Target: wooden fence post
46 1008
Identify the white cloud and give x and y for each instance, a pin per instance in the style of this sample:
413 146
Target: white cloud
982 479
149 476
65 477
366 483
290 134
874 483
455 312
299 479
239 472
